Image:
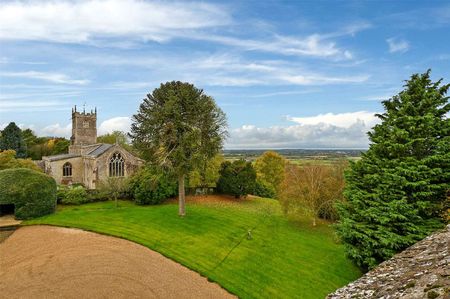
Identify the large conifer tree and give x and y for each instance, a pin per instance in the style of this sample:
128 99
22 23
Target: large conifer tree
396 194
11 139
179 127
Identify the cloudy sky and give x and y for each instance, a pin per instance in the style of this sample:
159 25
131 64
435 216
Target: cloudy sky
288 74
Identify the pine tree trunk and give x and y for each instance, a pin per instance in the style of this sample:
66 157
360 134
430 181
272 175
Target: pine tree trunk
314 220
181 197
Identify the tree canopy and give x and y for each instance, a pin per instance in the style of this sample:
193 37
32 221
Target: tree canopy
312 190
237 178
270 169
179 127
8 160
207 174
114 137
11 139
396 193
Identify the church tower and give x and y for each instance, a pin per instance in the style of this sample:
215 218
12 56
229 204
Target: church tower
84 128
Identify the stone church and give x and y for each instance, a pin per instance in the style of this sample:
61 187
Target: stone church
89 162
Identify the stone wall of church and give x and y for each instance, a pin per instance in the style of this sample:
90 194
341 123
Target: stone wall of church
90 172
55 169
132 163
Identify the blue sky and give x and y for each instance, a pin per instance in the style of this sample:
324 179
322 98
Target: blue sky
288 74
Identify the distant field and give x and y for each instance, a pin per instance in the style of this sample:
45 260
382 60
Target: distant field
281 259
299 156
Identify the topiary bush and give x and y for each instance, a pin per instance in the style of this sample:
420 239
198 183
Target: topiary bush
75 195
32 193
264 189
152 185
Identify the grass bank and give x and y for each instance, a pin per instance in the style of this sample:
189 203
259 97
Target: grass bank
281 259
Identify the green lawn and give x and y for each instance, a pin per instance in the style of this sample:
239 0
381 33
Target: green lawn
282 260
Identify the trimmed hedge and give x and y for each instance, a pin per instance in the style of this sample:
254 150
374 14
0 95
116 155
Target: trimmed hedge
32 193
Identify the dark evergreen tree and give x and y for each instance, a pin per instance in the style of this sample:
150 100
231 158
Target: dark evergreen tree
237 178
11 139
396 194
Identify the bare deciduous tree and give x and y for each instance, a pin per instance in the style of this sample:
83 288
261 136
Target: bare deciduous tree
312 189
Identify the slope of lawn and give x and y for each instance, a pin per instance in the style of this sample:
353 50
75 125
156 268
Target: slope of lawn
281 259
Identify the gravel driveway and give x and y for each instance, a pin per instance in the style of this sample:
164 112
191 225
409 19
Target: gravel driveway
54 262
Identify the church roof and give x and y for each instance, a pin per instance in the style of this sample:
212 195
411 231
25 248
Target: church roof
61 157
103 147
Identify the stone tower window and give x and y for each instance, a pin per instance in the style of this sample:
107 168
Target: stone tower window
116 165
67 169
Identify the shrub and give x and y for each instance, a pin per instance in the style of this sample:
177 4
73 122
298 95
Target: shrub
152 185
97 195
74 195
32 193
61 192
264 189
237 178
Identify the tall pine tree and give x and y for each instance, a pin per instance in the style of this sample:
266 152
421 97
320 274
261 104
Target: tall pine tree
11 139
396 194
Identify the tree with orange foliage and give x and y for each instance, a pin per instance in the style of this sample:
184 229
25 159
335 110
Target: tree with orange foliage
312 190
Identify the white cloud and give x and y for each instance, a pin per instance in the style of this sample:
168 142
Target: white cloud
89 20
343 120
315 79
45 76
121 123
123 23
314 45
397 45
345 130
56 130
107 126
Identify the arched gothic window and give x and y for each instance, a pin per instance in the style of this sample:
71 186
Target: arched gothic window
116 165
67 169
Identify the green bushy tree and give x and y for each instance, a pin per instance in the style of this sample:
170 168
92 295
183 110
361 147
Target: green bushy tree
152 185
8 160
270 168
11 139
396 193
207 175
264 189
237 178
118 137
